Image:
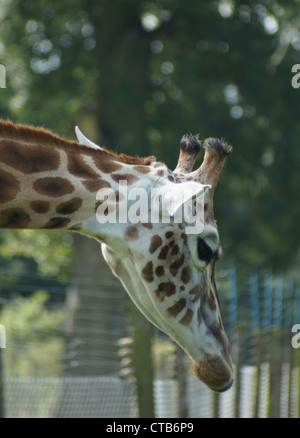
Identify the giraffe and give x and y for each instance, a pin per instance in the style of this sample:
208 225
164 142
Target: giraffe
47 182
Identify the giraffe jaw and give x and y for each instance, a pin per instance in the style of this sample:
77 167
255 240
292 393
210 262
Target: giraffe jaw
212 364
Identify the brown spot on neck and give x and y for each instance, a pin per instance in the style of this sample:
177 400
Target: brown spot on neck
53 186
130 179
147 272
107 166
196 292
163 253
155 242
78 167
165 289
147 225
9 187
159 271
185 275
93 185
186 320
29 159
177 307
70 206
142 169
131 233
56 222
15 218
174 267
40 206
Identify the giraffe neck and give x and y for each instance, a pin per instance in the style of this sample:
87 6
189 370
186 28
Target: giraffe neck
44 187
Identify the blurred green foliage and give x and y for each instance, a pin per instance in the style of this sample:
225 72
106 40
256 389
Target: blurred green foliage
137 75
34 342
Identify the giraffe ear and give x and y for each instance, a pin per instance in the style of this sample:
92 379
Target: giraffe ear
84 140
180 194
174 196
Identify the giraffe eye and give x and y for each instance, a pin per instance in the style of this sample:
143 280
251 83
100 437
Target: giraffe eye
205 253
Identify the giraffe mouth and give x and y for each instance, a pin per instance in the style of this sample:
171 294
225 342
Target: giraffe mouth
215 372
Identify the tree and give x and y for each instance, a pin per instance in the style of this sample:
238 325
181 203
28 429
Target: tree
137 75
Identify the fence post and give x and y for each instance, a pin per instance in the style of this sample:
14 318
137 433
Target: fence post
181 373
276 351
234 334
2 410
143 363
255 337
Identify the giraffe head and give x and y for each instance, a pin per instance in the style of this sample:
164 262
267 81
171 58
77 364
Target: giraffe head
47 182
169 272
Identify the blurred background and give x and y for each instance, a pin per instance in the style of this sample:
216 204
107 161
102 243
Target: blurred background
135 76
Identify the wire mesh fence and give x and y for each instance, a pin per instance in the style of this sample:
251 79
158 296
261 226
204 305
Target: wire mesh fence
69 356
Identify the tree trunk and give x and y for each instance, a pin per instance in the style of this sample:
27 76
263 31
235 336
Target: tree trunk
97 313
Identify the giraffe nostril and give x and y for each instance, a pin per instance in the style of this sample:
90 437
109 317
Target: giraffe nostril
215 372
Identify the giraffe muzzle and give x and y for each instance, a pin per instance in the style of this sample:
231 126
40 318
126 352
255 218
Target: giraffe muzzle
215 372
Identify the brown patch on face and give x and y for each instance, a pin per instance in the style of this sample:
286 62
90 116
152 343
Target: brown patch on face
159 271
9 186
127 177
174 267
15 218
131 233
78 167
155 243
212 301
93 185
56 222
147 272
175 250
185 275
107 166
40 206
160 172
196 291
147 225
176 308
53 186
169 234
141 169
186 320
157 165
69 207
163 253
29 159
165 289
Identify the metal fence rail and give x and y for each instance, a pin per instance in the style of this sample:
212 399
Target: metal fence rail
259 311
112 397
